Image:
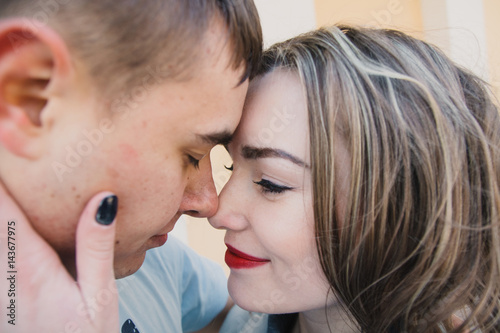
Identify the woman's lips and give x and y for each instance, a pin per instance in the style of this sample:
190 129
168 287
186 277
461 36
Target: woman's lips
236 259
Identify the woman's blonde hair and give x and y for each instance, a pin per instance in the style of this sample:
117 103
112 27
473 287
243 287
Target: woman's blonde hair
419 241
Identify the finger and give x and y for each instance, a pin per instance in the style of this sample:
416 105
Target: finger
22 251
16 225
94 253
21 247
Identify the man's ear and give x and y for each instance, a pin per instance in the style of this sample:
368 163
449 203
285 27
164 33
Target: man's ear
34 68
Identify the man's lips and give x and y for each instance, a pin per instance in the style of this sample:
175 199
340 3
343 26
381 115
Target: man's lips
236 259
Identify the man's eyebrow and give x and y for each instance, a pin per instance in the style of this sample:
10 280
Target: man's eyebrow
217 138
253 153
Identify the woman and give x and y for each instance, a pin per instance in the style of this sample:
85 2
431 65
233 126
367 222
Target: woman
365 191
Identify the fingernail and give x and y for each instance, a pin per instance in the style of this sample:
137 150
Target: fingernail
106 212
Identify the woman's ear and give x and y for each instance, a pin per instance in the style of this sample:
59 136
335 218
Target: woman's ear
34 68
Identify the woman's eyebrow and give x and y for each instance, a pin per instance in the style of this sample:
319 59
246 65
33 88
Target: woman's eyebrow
253 153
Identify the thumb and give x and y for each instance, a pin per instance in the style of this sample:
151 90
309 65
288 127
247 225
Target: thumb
95 238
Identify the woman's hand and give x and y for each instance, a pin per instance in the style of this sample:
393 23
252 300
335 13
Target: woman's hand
37 294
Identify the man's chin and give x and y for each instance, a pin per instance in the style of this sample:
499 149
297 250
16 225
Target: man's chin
128 266
157 241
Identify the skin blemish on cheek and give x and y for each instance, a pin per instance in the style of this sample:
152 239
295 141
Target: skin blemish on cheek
112 173
128 151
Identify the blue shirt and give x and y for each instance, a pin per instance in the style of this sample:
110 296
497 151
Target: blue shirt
175 290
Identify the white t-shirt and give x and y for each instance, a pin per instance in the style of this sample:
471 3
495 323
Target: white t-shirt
175 290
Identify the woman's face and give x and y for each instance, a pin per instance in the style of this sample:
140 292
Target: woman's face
266 207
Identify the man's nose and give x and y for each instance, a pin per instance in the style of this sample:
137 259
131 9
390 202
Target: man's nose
200 196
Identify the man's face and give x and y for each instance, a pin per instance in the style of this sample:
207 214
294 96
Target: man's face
146 154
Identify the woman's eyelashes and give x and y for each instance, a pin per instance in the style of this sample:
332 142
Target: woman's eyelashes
266 185
272 188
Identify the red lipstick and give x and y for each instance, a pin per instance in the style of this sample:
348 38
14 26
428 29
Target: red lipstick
236 259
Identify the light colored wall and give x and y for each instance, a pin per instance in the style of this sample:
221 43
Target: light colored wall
401 14
468 30
283 19
458 28
492 13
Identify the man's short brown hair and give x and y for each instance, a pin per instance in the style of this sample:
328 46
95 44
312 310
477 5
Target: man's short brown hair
118 40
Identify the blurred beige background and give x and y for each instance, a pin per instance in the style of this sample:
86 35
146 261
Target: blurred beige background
467 30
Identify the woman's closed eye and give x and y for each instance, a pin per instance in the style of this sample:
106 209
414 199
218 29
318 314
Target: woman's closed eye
266 186
272 188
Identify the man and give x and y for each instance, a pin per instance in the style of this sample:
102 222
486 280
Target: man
127 97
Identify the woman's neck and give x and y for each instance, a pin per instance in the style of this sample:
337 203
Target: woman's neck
333 319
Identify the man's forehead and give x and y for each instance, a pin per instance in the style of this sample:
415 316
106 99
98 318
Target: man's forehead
222 137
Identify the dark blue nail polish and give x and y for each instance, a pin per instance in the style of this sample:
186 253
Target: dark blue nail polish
106 212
